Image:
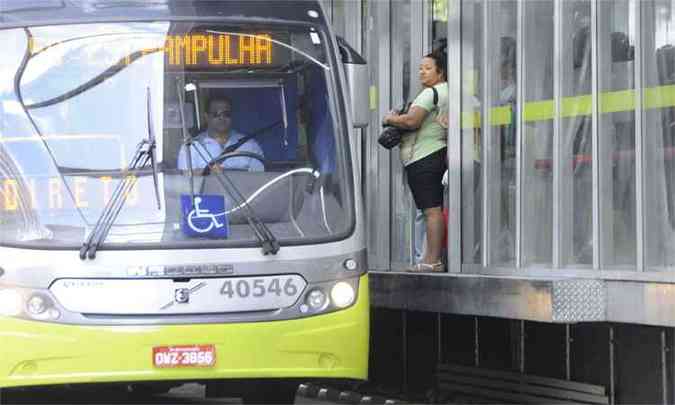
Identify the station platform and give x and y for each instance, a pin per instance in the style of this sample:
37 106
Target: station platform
541 299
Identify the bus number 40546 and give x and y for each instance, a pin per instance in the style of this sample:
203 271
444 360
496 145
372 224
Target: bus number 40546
259 288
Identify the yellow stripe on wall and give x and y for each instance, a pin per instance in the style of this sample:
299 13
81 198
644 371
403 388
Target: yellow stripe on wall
659 97
609 102
538 111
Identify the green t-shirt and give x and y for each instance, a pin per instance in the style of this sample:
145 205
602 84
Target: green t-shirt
430 136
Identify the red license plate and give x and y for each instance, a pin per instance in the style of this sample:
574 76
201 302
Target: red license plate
184 356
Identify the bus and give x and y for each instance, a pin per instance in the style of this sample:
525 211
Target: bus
180 197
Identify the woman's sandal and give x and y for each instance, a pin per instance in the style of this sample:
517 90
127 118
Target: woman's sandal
426 268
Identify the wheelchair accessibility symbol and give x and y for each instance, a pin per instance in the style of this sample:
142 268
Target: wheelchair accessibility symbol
199 213
206 217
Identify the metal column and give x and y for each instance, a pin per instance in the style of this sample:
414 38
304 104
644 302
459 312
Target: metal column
454 137
595 136
520 99
486 149
664 368
558 218
568 352
476 343
639 141
404 350
611 365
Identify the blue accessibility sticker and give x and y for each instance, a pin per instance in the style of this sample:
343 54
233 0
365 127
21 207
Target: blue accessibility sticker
205 216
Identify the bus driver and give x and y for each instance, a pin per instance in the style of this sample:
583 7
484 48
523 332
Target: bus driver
218 136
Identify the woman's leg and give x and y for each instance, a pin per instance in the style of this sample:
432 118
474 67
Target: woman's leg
420 236
435 232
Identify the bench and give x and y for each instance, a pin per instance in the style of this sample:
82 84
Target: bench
503 386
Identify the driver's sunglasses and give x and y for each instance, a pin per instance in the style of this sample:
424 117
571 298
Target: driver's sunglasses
221 114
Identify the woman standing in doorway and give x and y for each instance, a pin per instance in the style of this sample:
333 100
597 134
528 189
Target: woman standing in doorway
423 153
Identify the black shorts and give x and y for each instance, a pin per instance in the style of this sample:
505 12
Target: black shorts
424 179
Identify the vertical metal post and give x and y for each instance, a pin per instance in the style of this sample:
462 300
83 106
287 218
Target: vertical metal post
595 135
521 366
476 343
404 349
568 351
664 369
557 134
520 99
486 127
671 339
639 141
611 365
427 15
606 142
419 46
454 139
439 337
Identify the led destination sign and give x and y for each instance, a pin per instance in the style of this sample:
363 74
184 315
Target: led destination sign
211 50
194 50
52 194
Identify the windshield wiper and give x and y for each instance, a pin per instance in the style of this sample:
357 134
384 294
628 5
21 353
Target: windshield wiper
267 240
143 158
152 146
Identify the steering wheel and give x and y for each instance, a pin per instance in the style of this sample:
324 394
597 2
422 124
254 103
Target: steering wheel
224 156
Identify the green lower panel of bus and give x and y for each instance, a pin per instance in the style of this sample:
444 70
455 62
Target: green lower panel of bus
331 346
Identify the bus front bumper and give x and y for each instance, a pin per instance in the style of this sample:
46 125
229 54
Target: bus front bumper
334 345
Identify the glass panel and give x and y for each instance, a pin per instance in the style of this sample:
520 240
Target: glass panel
616 38
439 33
328 8
377 162
658 39
439 26
402 203
501 148
576 234
472 204
537 152
338 22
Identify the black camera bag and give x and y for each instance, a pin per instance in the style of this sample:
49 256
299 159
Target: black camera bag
391 136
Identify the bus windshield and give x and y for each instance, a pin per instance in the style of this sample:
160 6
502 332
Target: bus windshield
244 121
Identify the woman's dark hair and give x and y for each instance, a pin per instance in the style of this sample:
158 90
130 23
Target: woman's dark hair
440 57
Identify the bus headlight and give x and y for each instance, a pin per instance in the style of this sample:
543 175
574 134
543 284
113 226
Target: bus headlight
11 302
26 304
36 305
350 264
42 308
342 294
316 299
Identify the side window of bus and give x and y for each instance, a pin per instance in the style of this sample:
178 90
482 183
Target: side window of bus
320 137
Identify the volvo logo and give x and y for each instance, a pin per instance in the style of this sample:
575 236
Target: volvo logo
182 296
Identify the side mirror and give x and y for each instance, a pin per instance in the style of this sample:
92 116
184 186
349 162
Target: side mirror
356 69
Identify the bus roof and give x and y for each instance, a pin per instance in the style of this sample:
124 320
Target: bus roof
15 13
